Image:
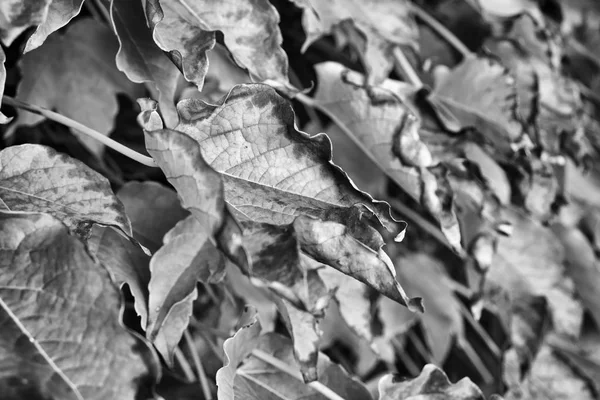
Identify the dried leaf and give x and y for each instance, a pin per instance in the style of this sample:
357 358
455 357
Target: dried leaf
18 15
61 336
60 12
431 384
57 76
257 380
385 24
36 178
139 57
237 348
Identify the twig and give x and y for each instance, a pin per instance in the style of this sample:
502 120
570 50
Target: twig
202 379
185 366
406 359
419 345
407 68
441 30
489 342
477 362
283 367
126 151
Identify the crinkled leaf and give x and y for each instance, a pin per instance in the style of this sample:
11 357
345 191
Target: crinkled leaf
187 256
18 15
431 384
60 12
61 336
258 380
480 93
385 24
36 178
57 76
3 118
388 136
153 210
237 348
126 261
139 57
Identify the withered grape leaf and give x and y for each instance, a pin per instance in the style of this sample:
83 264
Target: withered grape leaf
140 58
153 210
59 309
18 15
236 349
64 75
258 380
431 384
36 178
60 12
384 24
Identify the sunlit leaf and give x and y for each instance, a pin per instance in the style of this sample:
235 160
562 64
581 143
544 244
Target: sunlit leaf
57 76
60 12
36 178
139 57
18 15
431 384
61 335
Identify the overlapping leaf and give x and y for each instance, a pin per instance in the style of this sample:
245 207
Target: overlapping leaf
3 118
61 335
60 12
250 30
18 15
139 57
385 24
36 178
57 76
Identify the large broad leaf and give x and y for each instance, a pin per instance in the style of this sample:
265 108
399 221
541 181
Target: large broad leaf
153 210
18 15
57 76
139 57
385 24
3 118
60 12
250 30
258 380
36 178
59 311
431 384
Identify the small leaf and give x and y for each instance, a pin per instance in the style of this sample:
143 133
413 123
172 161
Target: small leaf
126 261
144 199
18 15
481 94
237 348
3 118
61 336
257 380
36 178
431 384
57 76
60 12
139 57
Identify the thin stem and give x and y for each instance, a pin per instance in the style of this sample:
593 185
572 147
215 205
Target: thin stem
406 359
441 30
126 151
480 331
283 367
93 12
407 68
204 385
419 345
185 366
477 362
104 11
